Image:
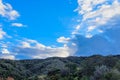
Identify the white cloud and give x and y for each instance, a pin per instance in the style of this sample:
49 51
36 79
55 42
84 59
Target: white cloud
86 6
25 44
77 27
7 56
95 13
2 34
52 52
7 11
34 49
63 39
28 43
17 24
73 44
5 51
90 28
105 12
88 36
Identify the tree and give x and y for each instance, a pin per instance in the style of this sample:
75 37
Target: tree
99 73
114 74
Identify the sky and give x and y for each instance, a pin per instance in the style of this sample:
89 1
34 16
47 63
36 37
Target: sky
59 28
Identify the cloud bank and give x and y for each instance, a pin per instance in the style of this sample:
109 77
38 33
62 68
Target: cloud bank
34 49
98 31
95 14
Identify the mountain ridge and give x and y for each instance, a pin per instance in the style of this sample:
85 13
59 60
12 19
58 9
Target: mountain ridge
57 68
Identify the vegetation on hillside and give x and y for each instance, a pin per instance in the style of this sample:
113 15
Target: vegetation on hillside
95 67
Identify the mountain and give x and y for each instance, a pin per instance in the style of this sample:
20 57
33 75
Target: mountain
94 67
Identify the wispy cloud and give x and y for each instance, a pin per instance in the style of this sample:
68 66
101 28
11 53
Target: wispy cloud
5 51
95 13
2 34
63 39
17 24
7 11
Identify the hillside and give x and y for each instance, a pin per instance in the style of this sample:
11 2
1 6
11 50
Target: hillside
95 67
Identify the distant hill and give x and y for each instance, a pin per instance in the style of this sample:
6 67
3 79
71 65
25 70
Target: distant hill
94 67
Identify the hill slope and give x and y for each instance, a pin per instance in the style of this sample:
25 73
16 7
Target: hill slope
95 67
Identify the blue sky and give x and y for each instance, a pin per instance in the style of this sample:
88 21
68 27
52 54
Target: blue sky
44 19
58 28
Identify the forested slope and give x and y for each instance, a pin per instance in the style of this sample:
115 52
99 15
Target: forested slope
94 67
